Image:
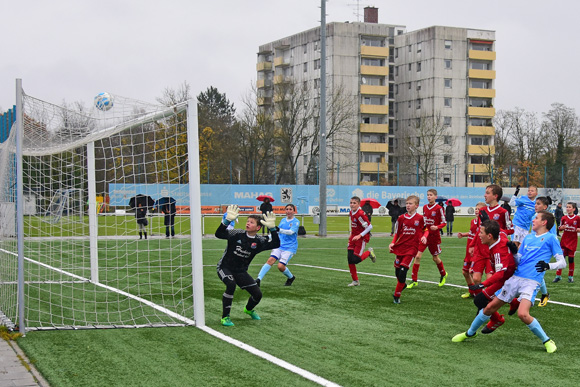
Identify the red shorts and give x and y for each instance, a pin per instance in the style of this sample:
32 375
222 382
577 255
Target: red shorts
568 252
434 248
466 263
480 265
403 260
357 246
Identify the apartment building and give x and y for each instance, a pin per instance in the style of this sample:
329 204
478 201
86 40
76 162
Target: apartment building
395 83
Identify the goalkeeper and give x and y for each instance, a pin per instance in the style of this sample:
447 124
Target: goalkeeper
536 251
242 247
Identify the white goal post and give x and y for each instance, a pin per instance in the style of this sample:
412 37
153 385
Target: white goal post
80 257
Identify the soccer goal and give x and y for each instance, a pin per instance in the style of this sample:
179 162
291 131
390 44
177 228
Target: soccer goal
66 264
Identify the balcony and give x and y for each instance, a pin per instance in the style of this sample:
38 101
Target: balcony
374 70
375 90
481 130
479 168
278 79
374 147
481 149
377 52
374 167
261 83
481 112
374 128
264 101
481 55
264 66
482 74
483 93
279 61
374 109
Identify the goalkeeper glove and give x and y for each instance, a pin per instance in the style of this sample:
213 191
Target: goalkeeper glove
231 214
269 220
475 287
542 266
517 190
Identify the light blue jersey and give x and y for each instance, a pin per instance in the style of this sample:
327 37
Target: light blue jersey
536 248
525 210
289 242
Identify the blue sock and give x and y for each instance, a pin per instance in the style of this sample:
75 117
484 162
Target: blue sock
537 330
543 287
264 270
478 321
287 273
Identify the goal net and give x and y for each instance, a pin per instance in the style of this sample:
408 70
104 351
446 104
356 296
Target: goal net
95 253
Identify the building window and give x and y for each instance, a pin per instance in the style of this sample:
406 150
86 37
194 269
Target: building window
396 89
480 84
373 138
480 102
373 41
373 101
316 64
447 102
372 157
373 81
418 85
447 64
479 159
446 121
409 48
448 44
480 122
446 140
447 159
373 62
316 45
481 46
306 48
372 119
410 66
447 83
396 71
305 65
479 179
396 52
317 83
409 105
418 47
447 178
483 141
418 66
418 103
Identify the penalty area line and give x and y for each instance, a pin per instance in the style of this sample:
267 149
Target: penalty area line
272 359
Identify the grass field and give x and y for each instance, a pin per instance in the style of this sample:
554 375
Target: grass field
350 336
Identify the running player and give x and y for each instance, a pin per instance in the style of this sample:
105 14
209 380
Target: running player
570 228
360 227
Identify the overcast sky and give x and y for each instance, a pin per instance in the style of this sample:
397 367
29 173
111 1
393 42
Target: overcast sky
73 49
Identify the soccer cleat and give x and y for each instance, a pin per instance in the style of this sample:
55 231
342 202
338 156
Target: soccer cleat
412 285
258 281
514 305
290 280
354 283
550 346
461 337
557 279
544 299
570 279
373 255
396 300
466 295
252 314
443 279
492 326
227 322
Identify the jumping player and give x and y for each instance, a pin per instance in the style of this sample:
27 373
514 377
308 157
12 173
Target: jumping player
242 247
360 227
534 256
570 228
434 217
288 230
410 231
525 210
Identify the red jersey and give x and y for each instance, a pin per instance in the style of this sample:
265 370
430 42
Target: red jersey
358 223
480 251
500 215
409 230
473 229
502 261
434 216
570 235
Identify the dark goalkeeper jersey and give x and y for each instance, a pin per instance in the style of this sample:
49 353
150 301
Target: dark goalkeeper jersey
241 248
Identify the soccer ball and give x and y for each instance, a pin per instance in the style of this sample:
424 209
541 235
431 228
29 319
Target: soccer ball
104 101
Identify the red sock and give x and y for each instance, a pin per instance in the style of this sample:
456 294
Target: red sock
571 269
415 272
399 289
494 317
559 272
365 255
441 268
353 274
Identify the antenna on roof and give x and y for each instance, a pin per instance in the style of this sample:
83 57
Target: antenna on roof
357 10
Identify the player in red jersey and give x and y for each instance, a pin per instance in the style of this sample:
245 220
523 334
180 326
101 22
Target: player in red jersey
410 232
434 216
570 226
360 229
493 193
501 252
469 252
